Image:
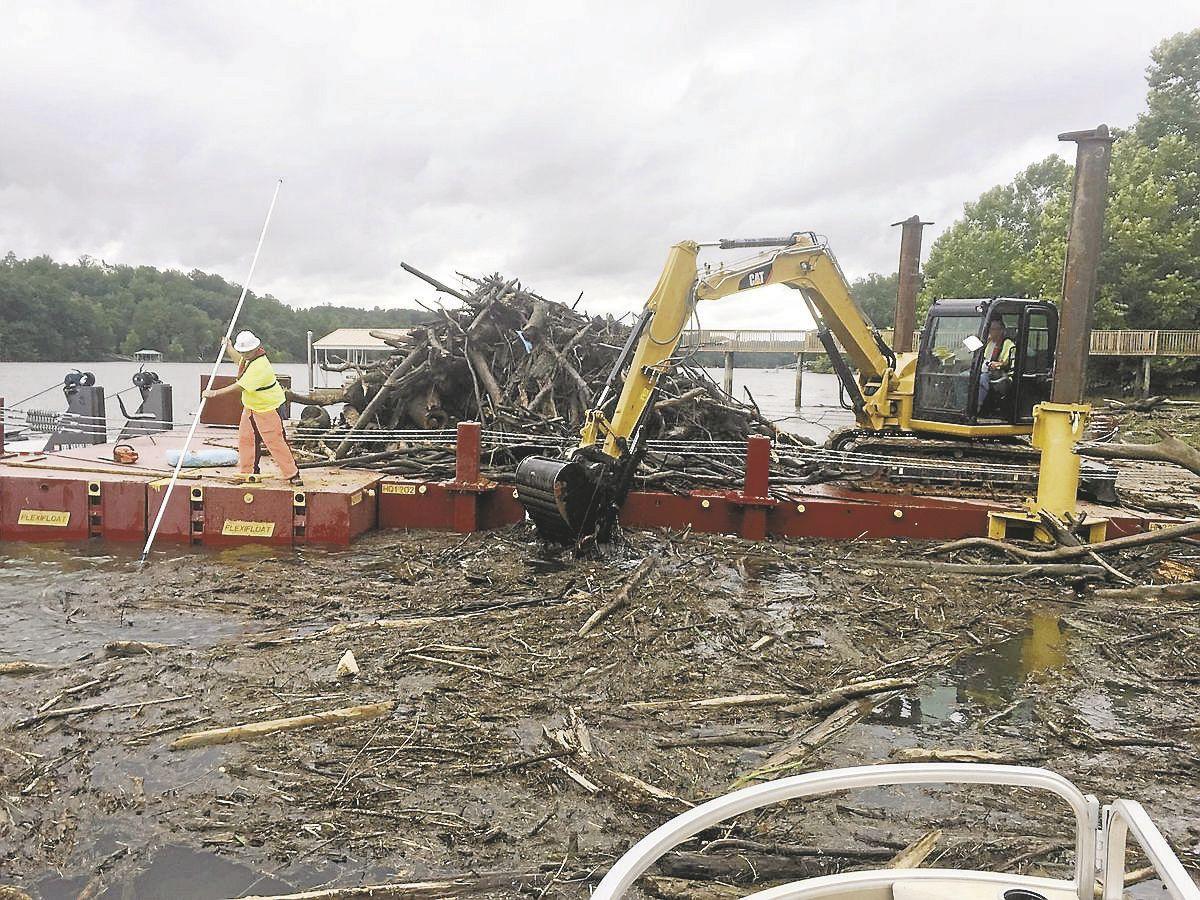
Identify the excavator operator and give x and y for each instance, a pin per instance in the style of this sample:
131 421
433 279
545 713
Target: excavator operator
995 378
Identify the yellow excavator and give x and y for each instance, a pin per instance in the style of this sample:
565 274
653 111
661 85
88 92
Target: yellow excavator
941 390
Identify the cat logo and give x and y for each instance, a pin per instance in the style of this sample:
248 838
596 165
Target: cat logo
754 279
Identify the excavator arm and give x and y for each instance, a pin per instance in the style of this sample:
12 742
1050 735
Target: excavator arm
573 499
810 267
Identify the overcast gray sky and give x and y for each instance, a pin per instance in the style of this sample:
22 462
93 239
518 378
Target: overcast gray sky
566 143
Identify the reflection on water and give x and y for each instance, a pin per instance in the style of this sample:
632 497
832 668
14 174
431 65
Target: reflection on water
988 678
174 872
991 676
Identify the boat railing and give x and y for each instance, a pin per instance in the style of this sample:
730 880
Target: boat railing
1123 817
646 852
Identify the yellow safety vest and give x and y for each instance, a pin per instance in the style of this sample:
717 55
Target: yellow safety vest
260 388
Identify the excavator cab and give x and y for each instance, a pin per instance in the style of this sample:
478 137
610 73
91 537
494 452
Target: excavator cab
968 374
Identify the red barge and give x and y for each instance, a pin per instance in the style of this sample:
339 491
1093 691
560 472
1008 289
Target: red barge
82 494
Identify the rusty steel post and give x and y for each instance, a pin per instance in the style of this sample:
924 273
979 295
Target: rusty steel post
1089 198
758 466
909 283
467 488
757 489
467 451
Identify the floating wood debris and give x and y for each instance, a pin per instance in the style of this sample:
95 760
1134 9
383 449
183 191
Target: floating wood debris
255 730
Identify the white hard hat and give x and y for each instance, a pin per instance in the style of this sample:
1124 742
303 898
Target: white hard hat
245 342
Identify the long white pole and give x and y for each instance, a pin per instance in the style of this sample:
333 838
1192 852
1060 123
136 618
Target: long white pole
237 311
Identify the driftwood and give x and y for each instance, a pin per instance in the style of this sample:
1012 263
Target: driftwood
429 279
371 410
89 708
733 701
133 648
467 884
255 730
799 850
998 570
949 754
596 774
839 696
23 667
1065 537
796 748
1187 590
756 738
1141 539
666 888
622 596
1143 405
742 867
528 369
410 624
915 853
1168 449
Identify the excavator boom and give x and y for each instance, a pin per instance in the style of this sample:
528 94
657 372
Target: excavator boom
570 500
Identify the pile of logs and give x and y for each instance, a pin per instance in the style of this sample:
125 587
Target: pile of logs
522 365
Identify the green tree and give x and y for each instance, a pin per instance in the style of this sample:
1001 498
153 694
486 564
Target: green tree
989 252
876 296
1173 99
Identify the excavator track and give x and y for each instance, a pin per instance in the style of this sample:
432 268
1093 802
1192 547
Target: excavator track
1007 465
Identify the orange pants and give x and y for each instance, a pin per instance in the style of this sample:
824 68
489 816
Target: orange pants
269 426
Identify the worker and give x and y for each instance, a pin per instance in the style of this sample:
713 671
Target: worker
261 398
998 355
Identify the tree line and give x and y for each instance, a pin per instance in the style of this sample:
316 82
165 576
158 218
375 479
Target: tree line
91 310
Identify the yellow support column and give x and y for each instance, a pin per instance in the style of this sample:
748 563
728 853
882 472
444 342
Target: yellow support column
1057 428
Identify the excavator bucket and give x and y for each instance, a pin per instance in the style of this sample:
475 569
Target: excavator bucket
559 497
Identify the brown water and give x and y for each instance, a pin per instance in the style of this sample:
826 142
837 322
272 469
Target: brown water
985 682
47 611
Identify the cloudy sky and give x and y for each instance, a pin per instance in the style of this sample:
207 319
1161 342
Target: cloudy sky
567 143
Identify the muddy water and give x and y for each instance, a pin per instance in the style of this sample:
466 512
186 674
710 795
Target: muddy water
46 613
987 680
173 872
61 604
774 390
258 817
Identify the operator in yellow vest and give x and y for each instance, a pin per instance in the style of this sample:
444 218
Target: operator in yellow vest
998 357
262 396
